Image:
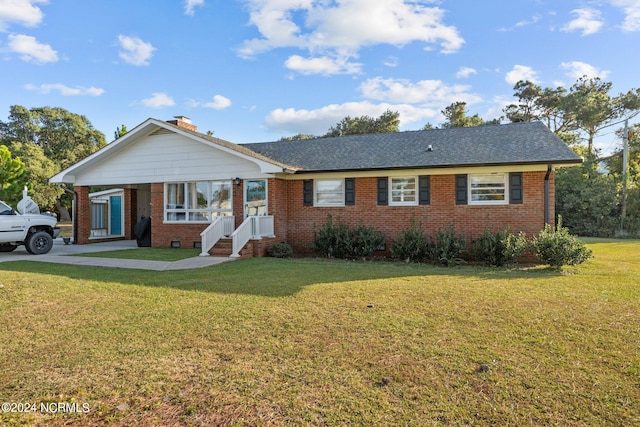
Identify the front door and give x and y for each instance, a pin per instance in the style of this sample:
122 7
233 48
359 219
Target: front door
115 215
255 197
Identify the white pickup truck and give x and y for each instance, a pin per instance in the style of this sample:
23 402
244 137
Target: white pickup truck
33 230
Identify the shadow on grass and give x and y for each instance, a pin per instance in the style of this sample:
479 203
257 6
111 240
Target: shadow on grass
270 276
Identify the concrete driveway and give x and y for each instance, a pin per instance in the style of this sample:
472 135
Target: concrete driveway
67 254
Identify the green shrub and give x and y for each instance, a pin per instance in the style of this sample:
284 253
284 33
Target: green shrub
412 245
280 250
448 246
499 248
332 241
339 241
556 247
365 240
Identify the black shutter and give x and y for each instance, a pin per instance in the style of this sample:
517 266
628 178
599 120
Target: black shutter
515 188
424 189
383 191
307 192
349 191
461 189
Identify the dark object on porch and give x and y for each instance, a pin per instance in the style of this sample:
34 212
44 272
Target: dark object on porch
142 231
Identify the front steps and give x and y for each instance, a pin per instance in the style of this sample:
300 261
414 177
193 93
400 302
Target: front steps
224 247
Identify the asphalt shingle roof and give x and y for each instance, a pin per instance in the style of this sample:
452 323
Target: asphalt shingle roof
518 143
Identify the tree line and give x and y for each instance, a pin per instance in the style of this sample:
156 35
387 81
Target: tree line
37 143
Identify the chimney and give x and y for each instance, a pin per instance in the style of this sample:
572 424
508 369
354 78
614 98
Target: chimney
183 122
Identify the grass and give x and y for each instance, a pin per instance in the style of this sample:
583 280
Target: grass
148 254
316 342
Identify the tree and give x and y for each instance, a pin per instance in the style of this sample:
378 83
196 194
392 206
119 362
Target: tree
389 121
39 169
12 177
65 137
298 137
587 200
456 115
120 131
591 107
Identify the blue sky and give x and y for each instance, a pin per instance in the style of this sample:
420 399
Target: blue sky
257 70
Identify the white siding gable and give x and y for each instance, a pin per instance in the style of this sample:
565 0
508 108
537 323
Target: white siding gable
168 157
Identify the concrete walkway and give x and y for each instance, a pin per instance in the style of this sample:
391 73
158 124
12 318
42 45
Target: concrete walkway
64 254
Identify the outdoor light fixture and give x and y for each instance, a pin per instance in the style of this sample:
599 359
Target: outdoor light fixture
237 180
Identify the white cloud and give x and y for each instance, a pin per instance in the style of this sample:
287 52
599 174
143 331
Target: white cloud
322 65
521 72
189 6
588 21
339 29
135 51
30 50
158 100
318 121
631 10
417 103
66 90
577 69
22 12
465 72
219 103
432 93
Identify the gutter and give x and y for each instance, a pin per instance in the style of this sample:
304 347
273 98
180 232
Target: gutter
546 193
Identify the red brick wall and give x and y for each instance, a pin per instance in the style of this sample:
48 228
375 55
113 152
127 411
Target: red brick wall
82 215
294 222
442 212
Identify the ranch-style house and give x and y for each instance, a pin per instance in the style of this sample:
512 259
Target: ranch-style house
237 199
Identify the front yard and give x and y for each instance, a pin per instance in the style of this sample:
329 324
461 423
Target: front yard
316 342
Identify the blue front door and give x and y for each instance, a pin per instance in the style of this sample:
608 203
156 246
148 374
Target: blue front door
115 215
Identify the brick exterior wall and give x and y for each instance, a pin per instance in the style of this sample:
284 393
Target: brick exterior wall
471 220
294 222
82 215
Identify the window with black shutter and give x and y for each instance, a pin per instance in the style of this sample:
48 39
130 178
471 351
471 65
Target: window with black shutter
307 192
349 191
461 189
383 191
424 189
515 188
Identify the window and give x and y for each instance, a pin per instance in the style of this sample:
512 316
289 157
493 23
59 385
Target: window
402 191
197 201
488 189
329 192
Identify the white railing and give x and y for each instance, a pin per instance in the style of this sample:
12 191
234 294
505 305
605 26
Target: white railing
220 227
241 236
263 226
254 227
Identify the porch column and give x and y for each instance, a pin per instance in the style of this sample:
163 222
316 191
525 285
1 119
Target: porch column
130 212
82 215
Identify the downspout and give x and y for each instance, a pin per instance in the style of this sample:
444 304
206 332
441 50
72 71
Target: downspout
546 193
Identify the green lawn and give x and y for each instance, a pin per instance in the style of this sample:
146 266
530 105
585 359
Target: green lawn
316 342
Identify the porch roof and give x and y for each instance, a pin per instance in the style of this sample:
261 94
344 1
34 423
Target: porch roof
510 144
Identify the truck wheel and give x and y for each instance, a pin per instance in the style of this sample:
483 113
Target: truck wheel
39 243
6 247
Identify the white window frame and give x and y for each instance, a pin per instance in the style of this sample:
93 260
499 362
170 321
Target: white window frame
180 215
329 204
413 202
505 187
